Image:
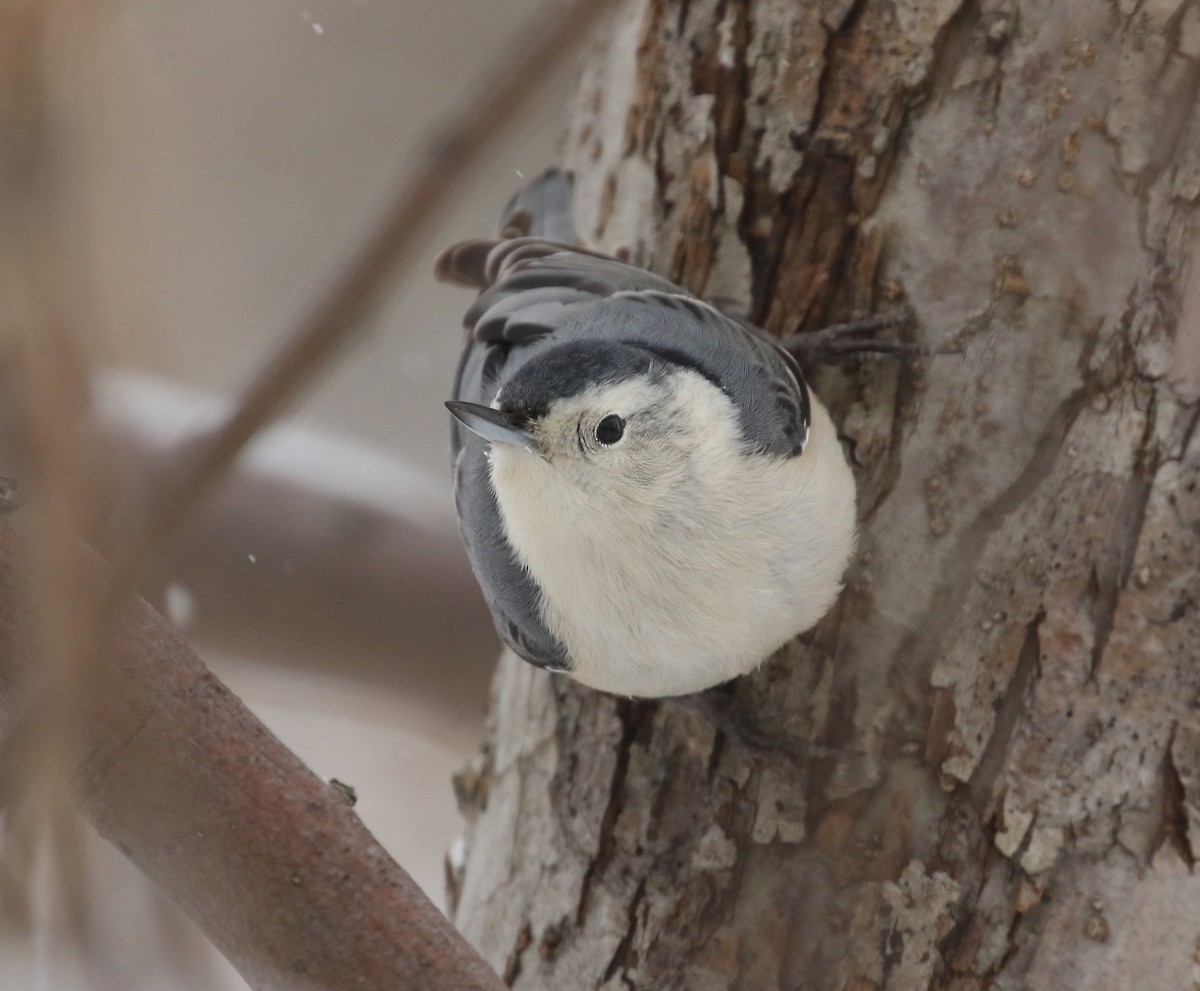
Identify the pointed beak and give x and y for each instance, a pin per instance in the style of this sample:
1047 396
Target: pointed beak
493 426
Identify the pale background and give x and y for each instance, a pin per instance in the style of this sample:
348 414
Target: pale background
257 141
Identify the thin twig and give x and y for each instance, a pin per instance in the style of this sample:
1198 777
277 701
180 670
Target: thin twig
559 29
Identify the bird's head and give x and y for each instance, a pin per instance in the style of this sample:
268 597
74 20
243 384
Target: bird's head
605 414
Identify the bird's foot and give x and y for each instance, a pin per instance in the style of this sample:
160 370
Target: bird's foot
832 344
720 709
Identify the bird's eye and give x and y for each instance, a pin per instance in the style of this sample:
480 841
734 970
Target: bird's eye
610 430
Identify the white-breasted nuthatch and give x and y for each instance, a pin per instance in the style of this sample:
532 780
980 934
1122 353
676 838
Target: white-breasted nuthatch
652 499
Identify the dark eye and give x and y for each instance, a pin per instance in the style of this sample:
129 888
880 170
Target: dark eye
610 430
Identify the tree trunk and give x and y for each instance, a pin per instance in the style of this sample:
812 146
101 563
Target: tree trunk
986 770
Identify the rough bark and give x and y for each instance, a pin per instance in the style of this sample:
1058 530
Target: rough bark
1009 686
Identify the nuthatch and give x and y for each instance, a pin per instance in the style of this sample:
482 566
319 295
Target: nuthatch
652 499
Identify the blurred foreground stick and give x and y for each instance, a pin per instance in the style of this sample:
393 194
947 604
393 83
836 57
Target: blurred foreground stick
268 859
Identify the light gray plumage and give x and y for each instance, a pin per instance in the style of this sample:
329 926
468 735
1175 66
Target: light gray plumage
587 550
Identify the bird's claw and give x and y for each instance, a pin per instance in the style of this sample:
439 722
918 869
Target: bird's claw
722 713
858 337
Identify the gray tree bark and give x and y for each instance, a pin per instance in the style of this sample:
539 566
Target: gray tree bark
1009 688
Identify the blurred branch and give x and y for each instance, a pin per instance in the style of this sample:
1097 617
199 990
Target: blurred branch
317 551
43 296
355 296
268 859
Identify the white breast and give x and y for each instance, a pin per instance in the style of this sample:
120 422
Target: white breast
666 593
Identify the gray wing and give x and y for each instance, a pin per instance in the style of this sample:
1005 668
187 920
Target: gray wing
542 207
536 292
511 594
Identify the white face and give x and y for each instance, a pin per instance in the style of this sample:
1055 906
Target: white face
635 434
668 556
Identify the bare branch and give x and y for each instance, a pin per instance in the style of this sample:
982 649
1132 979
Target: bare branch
558 30
268 859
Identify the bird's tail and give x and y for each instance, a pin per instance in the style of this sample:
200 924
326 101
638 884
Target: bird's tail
542 209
